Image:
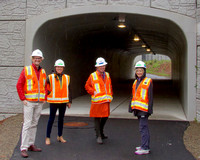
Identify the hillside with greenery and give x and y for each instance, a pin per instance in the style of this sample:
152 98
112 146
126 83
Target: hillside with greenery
159 67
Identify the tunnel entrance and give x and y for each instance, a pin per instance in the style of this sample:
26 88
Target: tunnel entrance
79 38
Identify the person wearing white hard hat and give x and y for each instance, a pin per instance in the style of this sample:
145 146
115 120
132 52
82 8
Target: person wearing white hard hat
59 97
31 91
142 105
99 87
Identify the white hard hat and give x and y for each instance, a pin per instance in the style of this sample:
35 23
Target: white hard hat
38 53
59 62
140 64
100 62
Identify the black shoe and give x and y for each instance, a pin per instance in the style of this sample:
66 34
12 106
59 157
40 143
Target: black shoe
104 136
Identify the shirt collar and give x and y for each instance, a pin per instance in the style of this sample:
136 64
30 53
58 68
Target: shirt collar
103 74
36 67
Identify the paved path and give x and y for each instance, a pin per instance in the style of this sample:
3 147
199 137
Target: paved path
166 141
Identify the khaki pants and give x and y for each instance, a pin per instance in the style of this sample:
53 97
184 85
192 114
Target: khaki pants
31 117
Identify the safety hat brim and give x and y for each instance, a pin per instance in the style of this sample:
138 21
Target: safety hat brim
101 64
34 56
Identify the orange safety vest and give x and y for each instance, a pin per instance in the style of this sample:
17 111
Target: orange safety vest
140 98
59 93
103 90
34 88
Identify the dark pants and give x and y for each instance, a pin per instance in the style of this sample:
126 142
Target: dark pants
144 132
53 108
99 125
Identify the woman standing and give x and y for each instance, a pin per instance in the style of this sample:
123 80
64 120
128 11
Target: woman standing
59 96
142 105
99 87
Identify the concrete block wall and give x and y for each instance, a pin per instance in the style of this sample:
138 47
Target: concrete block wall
12 42
198 61
13 16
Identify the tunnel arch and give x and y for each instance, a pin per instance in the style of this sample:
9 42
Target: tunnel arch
38 35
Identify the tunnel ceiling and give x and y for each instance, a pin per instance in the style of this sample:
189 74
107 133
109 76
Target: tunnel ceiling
100 30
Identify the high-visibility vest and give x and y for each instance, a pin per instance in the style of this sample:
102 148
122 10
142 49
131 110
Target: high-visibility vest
34 88
59 93
103 90
140 95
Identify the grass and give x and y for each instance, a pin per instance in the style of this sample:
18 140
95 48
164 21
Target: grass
159 67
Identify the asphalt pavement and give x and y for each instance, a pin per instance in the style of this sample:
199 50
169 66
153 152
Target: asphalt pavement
123 137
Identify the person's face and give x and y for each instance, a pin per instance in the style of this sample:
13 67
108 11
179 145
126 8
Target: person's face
36 60
101 68
59 69
139 72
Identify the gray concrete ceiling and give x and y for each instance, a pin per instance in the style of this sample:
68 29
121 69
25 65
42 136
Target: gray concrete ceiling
100 30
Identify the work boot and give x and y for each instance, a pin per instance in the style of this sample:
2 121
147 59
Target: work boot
24 154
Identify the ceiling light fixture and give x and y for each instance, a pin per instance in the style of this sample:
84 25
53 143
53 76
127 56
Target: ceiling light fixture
144 45
121 23
136 38
148 49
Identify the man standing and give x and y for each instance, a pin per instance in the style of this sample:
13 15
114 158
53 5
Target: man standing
99 87
31 91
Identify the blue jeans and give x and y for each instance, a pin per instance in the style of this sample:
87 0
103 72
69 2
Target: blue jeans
144 132
53 108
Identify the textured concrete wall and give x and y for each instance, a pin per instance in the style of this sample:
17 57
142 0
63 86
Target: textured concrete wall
198 60
12 42
13 16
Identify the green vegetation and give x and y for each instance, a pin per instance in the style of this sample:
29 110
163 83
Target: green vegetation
159 67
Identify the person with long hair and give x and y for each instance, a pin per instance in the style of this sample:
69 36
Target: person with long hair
59 96
142 105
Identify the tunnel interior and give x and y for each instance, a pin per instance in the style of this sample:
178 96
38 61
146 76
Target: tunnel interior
80 39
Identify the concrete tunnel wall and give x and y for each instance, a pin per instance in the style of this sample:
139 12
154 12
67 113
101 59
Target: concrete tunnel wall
84 60
80 61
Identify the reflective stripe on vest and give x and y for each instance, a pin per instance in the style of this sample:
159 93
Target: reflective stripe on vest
44 80
94 76
140 105
29 81
143 91
53 98
109 83
96 85
35 96
102 98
